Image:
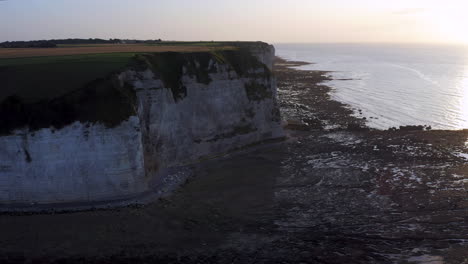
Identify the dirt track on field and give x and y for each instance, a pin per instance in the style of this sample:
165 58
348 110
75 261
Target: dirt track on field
40 52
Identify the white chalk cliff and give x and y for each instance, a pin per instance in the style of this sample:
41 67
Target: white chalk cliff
212 107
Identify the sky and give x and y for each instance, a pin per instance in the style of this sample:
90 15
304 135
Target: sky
276 21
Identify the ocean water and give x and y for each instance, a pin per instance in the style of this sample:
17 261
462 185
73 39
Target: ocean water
394 85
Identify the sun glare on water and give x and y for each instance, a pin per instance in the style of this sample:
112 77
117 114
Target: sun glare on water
449 22
463 86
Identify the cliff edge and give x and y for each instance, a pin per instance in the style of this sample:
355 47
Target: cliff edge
122 137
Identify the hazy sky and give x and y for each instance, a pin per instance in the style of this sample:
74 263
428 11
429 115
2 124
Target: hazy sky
267 20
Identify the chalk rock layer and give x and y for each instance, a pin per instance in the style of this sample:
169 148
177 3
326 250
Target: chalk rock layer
164 111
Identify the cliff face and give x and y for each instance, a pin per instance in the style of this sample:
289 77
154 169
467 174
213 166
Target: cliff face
175 109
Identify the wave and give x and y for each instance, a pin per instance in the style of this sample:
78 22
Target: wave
417 72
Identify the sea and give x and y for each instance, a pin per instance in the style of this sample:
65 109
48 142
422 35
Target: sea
393 84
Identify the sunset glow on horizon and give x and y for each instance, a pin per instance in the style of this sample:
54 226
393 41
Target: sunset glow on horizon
402 21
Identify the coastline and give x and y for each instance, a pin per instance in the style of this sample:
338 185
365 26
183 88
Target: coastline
327 113
306 101
393 86
336 192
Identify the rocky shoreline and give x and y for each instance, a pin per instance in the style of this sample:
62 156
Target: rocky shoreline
334 192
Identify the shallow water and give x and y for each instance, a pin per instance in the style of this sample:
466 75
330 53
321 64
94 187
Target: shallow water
394 85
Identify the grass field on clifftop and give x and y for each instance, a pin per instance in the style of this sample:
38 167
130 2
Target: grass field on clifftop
106 48
38 73
38 78
35 74
44 87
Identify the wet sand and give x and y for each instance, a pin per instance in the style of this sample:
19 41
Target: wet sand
334 192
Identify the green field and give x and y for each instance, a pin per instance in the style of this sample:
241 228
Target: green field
55 91
38 78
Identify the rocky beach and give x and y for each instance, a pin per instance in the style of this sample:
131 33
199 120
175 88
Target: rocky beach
335 191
